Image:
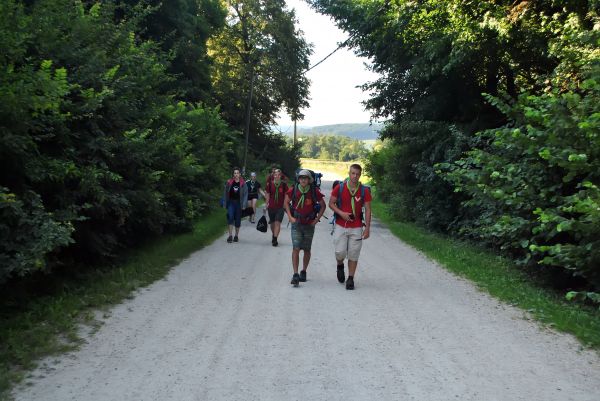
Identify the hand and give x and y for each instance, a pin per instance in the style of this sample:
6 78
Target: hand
347 216
366 233
292 219
315 221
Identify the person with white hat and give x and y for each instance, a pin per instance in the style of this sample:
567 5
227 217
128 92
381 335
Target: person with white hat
304 205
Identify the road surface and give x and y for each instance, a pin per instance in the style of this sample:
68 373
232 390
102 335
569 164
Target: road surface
227 325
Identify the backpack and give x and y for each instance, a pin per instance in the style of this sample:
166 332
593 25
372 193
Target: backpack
339 197
313 194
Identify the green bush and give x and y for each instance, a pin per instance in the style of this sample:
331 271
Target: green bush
536 181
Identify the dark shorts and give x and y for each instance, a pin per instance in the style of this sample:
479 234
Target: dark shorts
276 215
302 236
252 196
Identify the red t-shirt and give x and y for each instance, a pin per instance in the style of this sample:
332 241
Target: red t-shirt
283 188
346 205
307 208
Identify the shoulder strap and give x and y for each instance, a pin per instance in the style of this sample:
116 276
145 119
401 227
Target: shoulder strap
341 189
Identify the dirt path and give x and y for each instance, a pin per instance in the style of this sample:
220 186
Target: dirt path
226 325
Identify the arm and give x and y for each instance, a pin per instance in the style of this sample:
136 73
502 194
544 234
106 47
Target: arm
337 210
367 230
286 206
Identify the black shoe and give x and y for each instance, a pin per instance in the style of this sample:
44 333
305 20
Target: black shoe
274 241
340 273
295 280
350 283
229 239
235 239
302 276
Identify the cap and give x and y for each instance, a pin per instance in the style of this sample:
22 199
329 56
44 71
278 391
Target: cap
305 173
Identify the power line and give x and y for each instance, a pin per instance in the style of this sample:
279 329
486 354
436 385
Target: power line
326 57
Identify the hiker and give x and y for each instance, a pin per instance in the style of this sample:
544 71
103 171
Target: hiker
254 190
275 195
272 175
236 198
304 206
347 200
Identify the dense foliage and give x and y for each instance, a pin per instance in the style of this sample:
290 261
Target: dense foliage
332 147
109 129
511 83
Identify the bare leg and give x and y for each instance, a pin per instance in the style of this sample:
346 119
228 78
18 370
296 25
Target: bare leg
230 228
237 231
352 264
295 259
276 227
305 260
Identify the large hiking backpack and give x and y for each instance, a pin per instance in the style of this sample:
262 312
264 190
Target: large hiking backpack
313 194
338 203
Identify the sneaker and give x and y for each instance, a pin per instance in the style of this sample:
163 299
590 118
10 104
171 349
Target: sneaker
340 273
274 241
302 276
235 239
295 280
229 239
350 283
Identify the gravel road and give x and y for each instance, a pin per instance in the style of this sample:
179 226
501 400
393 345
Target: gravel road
226 325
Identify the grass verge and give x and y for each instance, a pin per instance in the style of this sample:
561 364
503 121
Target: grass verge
42 326
501 278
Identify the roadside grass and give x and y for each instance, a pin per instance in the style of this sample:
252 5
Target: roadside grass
501 278
331 167
35 327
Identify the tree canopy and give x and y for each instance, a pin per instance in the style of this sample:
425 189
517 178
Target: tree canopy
119 120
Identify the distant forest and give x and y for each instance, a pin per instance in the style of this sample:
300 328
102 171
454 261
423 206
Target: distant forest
354 131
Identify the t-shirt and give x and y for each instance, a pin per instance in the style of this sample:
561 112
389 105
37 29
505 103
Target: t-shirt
272 189
253 187
346 204
305 209
234 191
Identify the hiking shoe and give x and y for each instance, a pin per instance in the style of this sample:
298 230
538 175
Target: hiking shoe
274 241
340 273
235 239
302 276
229 239
350 283
295 280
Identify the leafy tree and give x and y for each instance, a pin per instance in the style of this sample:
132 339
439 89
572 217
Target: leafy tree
536 183
93 151
259 52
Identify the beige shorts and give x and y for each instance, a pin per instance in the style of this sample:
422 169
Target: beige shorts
347 242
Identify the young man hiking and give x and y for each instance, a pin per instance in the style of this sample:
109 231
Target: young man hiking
275 195
304 206
348 233
235 195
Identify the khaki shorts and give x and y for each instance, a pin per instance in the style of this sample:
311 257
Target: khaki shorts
347 242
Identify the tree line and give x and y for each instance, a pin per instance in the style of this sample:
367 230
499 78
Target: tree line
119 119
493 123
332 147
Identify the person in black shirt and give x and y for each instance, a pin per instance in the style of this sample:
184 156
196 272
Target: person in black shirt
254 190
236 198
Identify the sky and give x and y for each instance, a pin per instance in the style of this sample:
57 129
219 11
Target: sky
334 97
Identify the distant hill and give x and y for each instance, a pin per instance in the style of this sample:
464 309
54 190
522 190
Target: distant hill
354 131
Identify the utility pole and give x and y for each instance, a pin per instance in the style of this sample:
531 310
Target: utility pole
247 125
294 132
